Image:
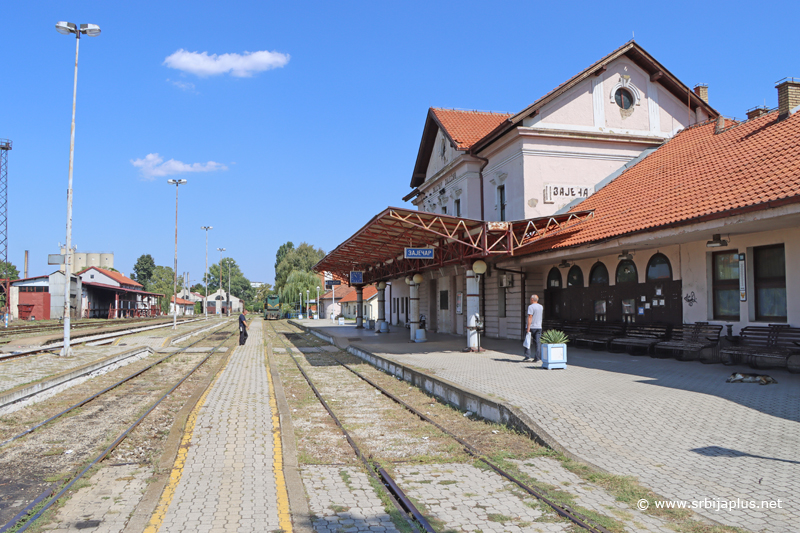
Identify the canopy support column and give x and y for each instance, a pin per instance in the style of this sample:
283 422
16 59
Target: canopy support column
473 310
359 307
381 326
413 291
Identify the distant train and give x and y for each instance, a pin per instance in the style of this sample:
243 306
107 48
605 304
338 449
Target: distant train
273 308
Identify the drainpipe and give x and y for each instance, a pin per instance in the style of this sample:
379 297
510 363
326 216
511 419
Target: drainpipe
522 294
480 177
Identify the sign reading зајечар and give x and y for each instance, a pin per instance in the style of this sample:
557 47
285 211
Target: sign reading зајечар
555 192
418 253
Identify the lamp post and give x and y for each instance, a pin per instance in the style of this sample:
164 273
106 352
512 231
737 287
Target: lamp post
308 306
205 302
317 302
229 287
301 303
176 183
92 30
220 269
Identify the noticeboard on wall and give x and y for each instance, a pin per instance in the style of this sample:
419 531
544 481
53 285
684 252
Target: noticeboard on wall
459 303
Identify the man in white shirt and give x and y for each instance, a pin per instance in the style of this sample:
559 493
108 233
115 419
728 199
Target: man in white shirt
535 313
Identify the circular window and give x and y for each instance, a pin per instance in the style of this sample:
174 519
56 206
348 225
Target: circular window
624 98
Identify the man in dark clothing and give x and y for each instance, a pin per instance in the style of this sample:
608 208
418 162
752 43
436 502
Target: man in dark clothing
243 327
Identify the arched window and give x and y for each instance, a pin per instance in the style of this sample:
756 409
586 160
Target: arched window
626 272
554 279
659 268
598 275
575 277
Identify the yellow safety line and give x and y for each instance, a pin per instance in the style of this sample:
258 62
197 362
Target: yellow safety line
180 461
284 514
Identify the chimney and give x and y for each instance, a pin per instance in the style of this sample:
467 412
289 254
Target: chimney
701 90
25 275
788 97
757 111
720 125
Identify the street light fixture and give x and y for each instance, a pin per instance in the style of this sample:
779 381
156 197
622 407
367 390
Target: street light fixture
92 30
220 268
205 302
229 286
176 183
308 306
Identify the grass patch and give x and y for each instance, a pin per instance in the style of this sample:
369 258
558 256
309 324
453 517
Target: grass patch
500 518
54 451
448 482
338 508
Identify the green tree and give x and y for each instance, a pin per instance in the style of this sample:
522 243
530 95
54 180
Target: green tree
303 258
199 288
8 271
161 281
299 282
143 269
239 284
282 251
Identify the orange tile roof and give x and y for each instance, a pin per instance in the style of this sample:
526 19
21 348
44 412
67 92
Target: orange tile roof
369 292
697 175
341 292
116 276
468 127
181 301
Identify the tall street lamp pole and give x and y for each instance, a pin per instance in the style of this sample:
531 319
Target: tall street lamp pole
229 287
92 30
205 302
308 305
317 301
220 270
177 184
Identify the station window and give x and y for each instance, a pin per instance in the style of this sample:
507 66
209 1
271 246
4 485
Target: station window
554 279
501 201
658 268
626 272
444 209
444 300
575 277
457 208
598 275
725 285
769 264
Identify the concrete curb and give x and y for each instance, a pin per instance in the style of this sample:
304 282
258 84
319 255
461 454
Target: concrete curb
27 391
459 397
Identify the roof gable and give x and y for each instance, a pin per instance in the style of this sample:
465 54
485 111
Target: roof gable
461 128
116 276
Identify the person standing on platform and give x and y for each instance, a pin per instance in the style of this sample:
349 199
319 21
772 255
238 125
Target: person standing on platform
535 313
243 327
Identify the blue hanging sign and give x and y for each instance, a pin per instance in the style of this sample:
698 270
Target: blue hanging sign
356 277
418 253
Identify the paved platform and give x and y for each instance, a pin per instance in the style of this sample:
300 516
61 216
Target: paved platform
224 477
677 426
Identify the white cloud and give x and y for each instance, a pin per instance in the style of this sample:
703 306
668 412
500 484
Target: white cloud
239 65
153 166
183 85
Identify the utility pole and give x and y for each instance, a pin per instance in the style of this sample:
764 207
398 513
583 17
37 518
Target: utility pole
205 302
220 268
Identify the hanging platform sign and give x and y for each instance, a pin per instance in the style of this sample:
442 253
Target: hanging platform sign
329 284
356 277
418 253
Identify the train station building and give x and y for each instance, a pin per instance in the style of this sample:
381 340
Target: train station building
620 196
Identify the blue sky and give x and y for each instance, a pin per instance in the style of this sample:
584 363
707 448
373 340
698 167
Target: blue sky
309 139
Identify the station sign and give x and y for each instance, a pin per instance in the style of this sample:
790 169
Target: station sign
418 253
356 277
329 284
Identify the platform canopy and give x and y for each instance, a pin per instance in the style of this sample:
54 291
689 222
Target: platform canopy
378 248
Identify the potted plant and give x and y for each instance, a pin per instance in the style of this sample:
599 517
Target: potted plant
554 349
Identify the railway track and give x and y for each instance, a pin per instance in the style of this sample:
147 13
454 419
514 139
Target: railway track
131 394
377 468
101 337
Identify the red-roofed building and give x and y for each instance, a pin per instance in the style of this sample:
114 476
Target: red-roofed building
370 302
110 294
185 307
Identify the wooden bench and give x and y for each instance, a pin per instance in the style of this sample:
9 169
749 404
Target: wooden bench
640 337
598 334
765 347
573 329
688 339
549 324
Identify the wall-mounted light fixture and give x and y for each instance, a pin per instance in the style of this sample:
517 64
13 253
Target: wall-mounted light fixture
716 242
564 264
417 278
479 267
625 255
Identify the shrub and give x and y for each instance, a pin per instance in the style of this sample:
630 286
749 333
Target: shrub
553 336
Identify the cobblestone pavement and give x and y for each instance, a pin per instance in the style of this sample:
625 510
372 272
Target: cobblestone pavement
341 498
228 483
105 505
466 498
677 426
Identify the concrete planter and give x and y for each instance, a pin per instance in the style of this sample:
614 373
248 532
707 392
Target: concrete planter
554 356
